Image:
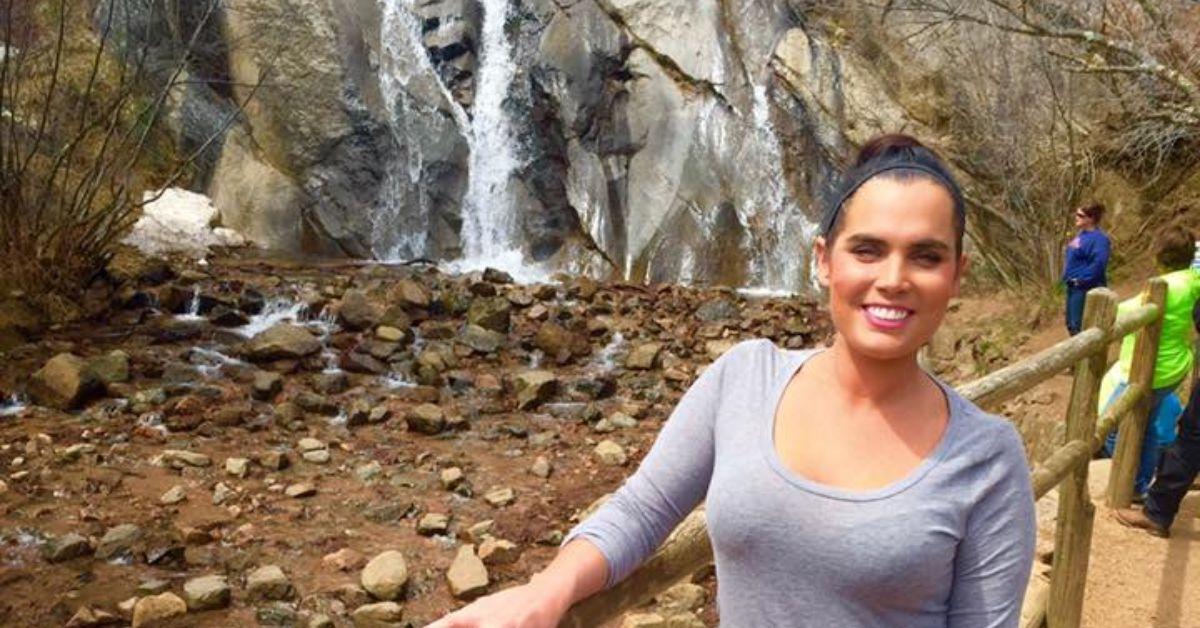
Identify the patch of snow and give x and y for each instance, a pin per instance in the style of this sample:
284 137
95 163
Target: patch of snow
179 221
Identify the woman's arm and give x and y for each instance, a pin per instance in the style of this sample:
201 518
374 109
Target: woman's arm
994 559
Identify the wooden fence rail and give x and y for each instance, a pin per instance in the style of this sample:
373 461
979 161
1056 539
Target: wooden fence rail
688 549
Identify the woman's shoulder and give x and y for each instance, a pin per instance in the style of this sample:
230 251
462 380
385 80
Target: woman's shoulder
987 435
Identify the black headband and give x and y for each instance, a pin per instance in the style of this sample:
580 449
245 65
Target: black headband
856 178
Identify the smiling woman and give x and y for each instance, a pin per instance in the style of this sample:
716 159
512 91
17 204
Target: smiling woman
844 486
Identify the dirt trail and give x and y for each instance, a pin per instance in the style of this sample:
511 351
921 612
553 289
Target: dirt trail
1136 579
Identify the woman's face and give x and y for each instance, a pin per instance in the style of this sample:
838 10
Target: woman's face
1083 221
892 269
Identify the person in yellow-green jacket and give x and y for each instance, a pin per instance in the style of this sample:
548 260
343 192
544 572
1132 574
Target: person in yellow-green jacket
1174 254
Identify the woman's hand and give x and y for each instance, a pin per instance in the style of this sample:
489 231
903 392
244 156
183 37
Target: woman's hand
525 606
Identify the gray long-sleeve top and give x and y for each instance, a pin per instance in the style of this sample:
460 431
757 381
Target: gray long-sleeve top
950 545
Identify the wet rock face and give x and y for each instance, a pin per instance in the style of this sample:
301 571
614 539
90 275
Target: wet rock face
656 139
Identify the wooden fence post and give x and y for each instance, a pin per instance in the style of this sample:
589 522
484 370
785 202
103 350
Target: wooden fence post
1073 537
1132 428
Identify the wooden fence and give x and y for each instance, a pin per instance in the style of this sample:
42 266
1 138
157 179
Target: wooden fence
688 549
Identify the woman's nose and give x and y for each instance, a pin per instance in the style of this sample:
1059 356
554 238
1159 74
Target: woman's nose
893 274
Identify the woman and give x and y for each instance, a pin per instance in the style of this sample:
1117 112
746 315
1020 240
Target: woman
845 486
1086 262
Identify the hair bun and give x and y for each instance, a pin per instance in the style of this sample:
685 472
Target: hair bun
889 145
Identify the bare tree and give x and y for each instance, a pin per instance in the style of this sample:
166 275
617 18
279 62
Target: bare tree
83 100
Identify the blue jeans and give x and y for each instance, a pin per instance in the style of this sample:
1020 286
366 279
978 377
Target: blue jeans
1151 448
1075 300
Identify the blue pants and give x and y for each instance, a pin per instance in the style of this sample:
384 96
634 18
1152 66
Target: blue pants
1075 300
1151 442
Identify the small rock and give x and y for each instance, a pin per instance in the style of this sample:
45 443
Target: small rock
269 583
66 547
468 577
320 620
300 489
237 467
481 531
369 471
206 593
267 384
118 540
358 312
433 523
481 340
501 496
535 387
274 460
344 559
153 586
179 458
173 496
379 615
426 418
411 293
387 333
610 453
385 576
451 478
498 552
87 617
541 467
643 357
222 493
158 610
310 444
317 456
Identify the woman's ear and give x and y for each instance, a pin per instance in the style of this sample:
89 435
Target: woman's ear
821 255
964 264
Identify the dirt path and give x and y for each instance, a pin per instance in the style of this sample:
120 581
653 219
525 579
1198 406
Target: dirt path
1139 580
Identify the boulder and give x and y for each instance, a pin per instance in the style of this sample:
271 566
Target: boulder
385 575
118 540
65 382
467 576
284 341
158 611
269 583
426 418
206 593
357 311
535 387
492 313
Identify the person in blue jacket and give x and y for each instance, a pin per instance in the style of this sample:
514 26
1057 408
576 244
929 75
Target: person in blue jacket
1086 262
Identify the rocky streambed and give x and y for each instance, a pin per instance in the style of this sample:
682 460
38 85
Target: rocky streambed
259 443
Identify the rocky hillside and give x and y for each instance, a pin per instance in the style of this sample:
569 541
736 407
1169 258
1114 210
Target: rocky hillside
263 442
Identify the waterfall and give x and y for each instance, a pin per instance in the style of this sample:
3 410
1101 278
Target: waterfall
490 233
784 250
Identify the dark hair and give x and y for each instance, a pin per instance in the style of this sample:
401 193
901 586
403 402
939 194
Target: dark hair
1174 248
898 157
1095 211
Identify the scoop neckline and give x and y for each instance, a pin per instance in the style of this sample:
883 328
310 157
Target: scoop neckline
931 460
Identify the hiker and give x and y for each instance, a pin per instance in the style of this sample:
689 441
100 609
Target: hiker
1176 471
1085 263
844 486
1174 256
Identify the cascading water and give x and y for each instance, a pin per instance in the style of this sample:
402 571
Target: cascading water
489 233
782 254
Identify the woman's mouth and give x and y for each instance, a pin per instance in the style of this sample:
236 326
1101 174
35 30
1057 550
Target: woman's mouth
887 317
